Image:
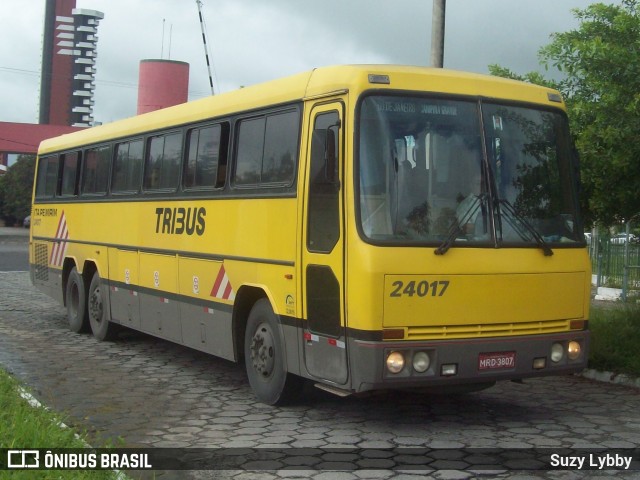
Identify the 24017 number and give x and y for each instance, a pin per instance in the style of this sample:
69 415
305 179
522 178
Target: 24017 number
421 289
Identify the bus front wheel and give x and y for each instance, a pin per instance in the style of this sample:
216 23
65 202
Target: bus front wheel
76 299
264 358
101 327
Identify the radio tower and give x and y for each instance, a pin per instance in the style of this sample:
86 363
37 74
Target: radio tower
204 42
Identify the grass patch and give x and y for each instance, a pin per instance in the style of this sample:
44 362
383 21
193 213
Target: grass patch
23 426
615 339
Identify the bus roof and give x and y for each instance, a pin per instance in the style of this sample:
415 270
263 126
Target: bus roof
317 82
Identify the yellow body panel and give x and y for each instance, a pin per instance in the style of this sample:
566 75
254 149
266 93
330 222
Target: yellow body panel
485 286
196 277
437 300
123 266
169 261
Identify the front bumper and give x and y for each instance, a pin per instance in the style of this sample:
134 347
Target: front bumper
368 358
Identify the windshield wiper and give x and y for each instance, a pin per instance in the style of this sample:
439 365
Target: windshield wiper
510 209
456 228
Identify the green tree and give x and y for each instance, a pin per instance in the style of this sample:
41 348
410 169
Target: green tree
15 189
600 61
531 77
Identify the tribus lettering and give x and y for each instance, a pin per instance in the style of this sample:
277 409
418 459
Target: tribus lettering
177 221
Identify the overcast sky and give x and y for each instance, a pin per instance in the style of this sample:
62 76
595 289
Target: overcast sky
251 41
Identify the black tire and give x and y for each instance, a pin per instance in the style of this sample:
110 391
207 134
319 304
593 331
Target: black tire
76 299
264 358
101 327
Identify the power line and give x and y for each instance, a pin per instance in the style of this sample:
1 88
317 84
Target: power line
20 71
18 143
111 83
37 73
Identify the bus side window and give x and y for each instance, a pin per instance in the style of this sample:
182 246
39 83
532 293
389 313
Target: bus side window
70 169
127 167
162 165
95 173
47 180
323 222
207 157
267 149
249 151
280 148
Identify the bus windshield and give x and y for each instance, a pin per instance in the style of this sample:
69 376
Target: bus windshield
471 173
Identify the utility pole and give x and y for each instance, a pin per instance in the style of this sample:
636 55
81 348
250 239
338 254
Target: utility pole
437 33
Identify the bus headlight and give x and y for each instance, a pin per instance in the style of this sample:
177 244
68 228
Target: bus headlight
557 352
574 350
421 362
395 362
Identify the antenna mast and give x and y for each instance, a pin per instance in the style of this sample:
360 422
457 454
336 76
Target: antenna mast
204 42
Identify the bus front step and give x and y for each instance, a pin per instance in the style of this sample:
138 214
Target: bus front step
331 389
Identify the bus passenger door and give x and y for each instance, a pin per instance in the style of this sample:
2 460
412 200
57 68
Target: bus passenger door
323 253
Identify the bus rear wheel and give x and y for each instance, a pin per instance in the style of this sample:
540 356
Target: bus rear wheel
264 358
101 327
76 299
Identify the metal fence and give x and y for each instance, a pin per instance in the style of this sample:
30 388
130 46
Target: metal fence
616 265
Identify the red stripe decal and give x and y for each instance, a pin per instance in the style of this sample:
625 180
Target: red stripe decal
218 282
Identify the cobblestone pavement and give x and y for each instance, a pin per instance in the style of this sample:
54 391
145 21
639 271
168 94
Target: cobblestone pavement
14 249
151 393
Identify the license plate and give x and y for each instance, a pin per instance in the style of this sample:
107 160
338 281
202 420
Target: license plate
496 360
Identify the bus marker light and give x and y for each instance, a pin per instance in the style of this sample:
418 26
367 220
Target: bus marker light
449 370
576 325
539 363
395 362
574 350
382 79
554 97
393 334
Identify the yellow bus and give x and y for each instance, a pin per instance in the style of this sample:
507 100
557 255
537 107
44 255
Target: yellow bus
361 227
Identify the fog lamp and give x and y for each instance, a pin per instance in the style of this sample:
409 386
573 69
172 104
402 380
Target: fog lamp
557 352
395 362
574 350
421 362
539 363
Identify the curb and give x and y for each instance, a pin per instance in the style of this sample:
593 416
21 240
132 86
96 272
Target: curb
611 377
35 403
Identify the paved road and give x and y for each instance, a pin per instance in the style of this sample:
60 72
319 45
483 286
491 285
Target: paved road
14 249
151 393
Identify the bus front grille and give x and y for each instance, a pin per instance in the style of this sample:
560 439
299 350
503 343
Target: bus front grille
486 330
41 262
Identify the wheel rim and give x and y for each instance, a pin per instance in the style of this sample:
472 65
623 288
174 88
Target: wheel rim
74 300
263 350
95 305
